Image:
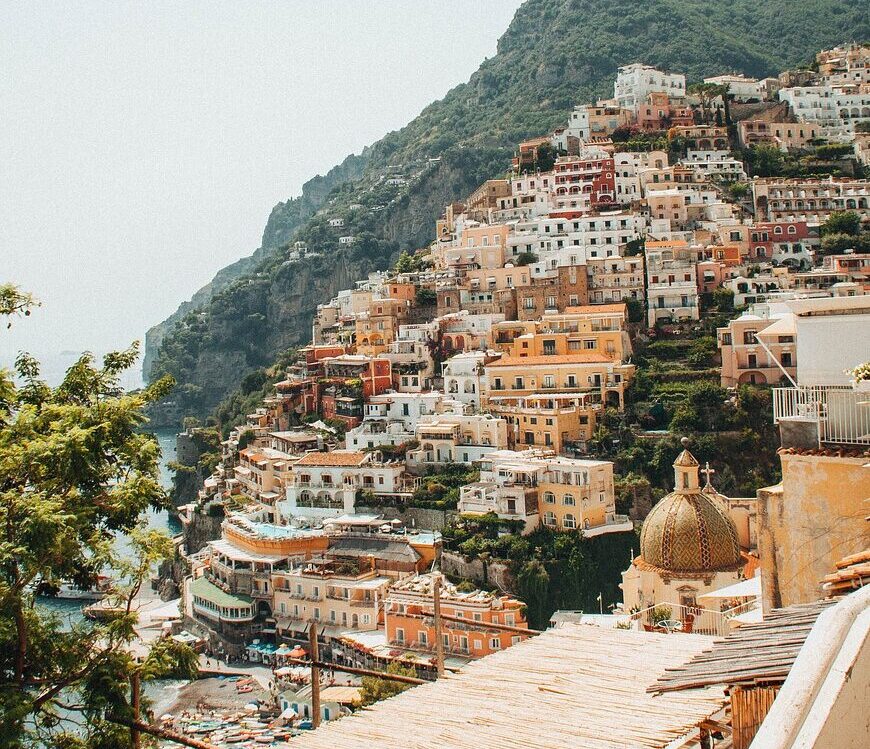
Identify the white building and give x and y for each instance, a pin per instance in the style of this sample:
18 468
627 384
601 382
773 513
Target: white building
637 81
672 291
404 408
336 222
740 87
325 484
721 164
346 240
457 437
375 433
465 377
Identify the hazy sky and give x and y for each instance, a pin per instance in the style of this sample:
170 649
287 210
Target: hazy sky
142 145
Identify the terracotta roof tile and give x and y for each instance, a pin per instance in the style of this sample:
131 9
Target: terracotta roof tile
334 458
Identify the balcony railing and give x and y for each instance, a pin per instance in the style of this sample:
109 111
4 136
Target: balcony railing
692 618
840 413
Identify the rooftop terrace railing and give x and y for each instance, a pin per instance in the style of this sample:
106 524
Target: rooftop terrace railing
841 413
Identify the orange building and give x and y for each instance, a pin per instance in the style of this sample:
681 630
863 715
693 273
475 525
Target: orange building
410 624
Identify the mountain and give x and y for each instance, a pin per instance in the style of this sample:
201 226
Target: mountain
556 53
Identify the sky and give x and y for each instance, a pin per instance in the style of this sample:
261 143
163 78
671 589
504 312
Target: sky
143 145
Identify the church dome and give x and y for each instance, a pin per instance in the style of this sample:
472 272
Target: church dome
690 530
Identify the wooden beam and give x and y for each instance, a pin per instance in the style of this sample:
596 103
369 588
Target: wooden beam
315 675
160 733
439 640
325 665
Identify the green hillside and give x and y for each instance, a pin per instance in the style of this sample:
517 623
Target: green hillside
556 53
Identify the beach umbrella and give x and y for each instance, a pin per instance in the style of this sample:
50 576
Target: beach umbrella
298 652
167 716
252 707
288 714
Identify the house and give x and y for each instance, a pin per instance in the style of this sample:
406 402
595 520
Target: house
336 222
456 437
337 593
758 347
335 701
326 484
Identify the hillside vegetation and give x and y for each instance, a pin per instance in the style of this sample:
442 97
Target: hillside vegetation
556 53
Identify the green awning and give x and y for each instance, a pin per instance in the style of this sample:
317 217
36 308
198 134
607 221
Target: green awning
202 588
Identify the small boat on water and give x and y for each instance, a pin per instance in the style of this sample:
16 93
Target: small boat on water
71 592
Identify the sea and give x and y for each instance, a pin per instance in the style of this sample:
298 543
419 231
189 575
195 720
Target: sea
71 611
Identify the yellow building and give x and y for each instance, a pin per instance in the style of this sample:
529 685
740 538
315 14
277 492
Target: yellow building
559 422
377 327
577 494
513 377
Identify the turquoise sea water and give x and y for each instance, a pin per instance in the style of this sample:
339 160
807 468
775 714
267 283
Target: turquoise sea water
71 611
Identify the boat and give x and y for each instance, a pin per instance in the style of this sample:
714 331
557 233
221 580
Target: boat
71 592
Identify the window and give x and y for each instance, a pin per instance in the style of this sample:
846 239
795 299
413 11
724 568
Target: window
400 634
445 639
549 519
589 344
529 302
424 638
569 521
786 359
494 643
549 498
568 500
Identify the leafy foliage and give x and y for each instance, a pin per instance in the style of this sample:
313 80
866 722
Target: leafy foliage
75 470
374 689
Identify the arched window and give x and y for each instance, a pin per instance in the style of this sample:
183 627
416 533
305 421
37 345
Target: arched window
792 230
549 519
569 521
568 500
549 498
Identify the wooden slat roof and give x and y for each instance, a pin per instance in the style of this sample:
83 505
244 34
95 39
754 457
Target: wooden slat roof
753 654
576 686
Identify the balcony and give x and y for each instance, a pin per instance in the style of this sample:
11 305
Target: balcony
813 416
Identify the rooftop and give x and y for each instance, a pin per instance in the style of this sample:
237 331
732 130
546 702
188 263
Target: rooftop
531 361
335 458
574 686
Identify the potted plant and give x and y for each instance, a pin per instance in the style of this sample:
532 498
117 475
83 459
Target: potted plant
861 377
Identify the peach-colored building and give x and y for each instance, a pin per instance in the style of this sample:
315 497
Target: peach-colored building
758 347
409 622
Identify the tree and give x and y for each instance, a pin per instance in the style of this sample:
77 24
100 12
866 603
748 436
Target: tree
842 222
75 471
375 689
526 258
635 310
737 190
13 301
533 587
764 160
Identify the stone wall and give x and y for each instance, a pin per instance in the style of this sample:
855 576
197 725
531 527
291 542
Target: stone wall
486 573
412 517
200 530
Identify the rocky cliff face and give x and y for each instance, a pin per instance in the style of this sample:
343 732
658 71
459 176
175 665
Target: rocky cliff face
556 53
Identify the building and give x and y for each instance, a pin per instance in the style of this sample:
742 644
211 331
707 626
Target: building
348 594
672 285
810 200
465 376
326 484
787 136
456 438
688 546
409 622
758 347
514 377
634 83
740 88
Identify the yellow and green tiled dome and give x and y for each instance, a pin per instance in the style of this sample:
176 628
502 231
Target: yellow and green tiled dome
689 530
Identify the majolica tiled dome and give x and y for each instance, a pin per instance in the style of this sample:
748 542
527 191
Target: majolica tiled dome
688 530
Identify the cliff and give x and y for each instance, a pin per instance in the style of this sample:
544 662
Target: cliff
556 53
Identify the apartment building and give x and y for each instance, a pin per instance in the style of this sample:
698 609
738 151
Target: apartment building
612 280
635 82
456 437
342 594
409 621
465 377
809 200
326 484
508 487
512 377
